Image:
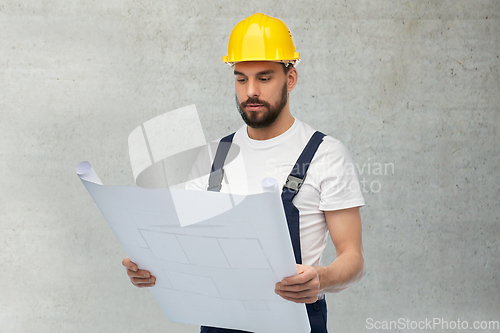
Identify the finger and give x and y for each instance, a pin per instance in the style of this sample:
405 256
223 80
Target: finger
129 264
299 279
139 274
137 281
306 300
301 268
297 294
310 285
144 285
306 274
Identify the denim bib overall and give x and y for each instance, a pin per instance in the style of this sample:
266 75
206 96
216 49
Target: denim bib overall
316 311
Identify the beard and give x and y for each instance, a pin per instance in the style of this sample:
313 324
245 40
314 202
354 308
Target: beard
252 118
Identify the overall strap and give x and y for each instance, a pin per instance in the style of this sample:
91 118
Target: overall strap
217 171
291 188
296 177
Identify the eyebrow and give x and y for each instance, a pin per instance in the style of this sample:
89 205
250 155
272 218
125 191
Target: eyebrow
266 72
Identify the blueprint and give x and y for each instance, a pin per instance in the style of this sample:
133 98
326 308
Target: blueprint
216 256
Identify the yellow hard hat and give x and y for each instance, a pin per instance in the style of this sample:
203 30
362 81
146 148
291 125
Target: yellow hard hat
260 37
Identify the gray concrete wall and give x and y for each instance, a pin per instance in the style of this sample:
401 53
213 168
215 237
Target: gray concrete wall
413 85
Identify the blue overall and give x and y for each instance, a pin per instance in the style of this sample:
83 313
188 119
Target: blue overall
316 311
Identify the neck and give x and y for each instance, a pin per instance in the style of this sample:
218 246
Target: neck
284 121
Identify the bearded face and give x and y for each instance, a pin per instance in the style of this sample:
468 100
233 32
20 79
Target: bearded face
266 115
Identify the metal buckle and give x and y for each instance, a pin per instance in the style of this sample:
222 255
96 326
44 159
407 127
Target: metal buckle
215 182
293 183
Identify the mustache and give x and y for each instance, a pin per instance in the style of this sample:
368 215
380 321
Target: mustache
255 100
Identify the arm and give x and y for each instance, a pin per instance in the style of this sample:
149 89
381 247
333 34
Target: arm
345 230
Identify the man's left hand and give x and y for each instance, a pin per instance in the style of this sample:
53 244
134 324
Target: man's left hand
301 288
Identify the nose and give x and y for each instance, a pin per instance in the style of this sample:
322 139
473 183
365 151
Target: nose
253 88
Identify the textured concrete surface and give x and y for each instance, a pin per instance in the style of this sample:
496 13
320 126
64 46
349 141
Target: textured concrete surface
411 87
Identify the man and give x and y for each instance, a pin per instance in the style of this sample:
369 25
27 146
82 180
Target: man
262 51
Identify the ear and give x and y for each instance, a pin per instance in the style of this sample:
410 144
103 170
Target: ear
292 77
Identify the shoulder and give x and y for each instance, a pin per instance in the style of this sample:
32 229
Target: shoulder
333 146
330 146
331 160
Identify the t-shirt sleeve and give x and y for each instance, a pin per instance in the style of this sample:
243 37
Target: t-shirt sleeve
339 185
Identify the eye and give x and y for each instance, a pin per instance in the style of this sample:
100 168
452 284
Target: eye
241 80
264 79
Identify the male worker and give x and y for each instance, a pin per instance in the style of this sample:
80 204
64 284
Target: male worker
275 144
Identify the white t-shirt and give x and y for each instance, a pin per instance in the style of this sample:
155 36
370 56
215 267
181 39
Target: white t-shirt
330 184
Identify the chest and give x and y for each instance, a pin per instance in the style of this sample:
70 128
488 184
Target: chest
245 174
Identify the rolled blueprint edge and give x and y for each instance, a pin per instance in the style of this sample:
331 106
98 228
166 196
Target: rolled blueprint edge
86 172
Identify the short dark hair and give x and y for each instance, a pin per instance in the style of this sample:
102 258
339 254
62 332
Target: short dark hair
286 68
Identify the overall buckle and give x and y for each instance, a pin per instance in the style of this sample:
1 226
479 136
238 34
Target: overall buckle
293 183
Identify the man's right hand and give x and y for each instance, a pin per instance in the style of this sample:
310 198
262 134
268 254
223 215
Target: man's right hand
139 278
